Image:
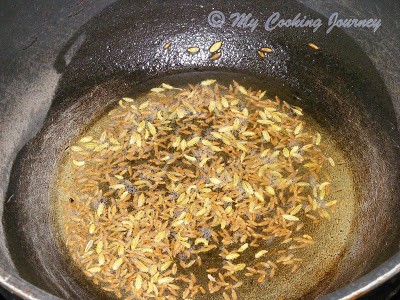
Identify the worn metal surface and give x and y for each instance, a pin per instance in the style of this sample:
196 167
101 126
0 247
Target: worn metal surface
31 36
382 50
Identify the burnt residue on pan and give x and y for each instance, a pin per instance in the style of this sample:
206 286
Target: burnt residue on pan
121 53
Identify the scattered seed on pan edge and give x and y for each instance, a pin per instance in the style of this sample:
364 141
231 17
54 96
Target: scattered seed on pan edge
266 50
216 56
167 45
313 46
216 46
147 198
261 53
193 49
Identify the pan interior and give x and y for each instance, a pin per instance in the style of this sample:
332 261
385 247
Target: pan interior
329 264
320 260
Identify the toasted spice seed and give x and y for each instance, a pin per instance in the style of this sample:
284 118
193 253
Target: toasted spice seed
318 139
216 56
166 265
141 200
100 209
331 203
99 247
266 135
241 146
297 111
261 278
234 295
152 129
290 217
224 102
94 270
247 187
313 46
166 280
243 247
208 82
126 99
261 54
266 50
92 228
78 163
232 256
76 148
242 90
138 282
117 186
160 236
88 246
193 141
157 90
286 152
86 139
144 105
270 190
225 296
121 250
259 196
298 129
216 46
167 86
193 49
260 253
142 267
167 45
101 259
225 129
212 270
215 181
296 209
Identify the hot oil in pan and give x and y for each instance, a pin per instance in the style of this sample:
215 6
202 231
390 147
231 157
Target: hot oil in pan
205 191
